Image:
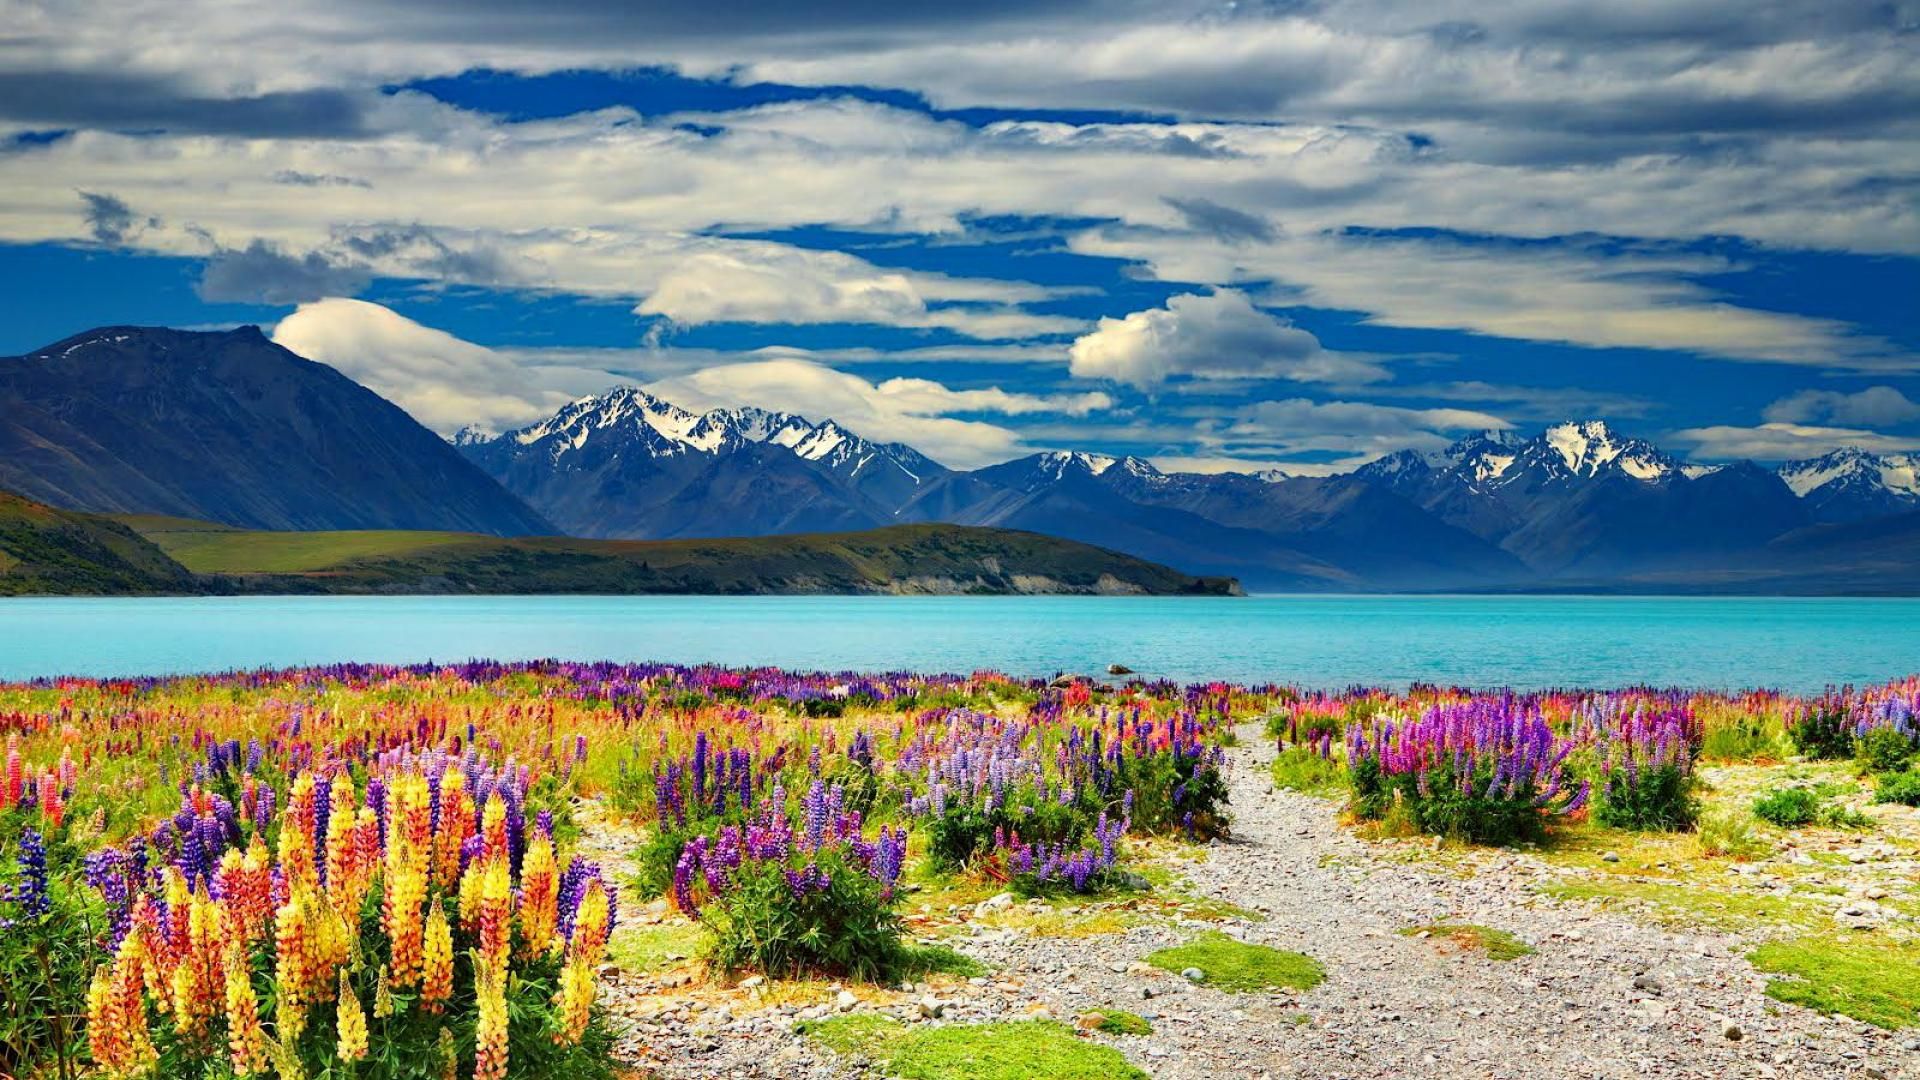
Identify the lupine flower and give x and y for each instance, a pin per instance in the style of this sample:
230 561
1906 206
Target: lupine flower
246 1040
351 1024
490 1029
436 984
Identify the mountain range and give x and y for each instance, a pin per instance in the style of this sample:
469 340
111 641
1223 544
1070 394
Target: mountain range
1576 503
229 428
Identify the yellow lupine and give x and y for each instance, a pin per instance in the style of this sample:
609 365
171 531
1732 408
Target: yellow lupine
490 1026
539 895
574 1000
436 984
246 1041
351 1023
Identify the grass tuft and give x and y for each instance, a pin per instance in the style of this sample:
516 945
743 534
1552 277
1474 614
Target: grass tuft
1496 944
1235 965
1872 983
858 1033
1121 1022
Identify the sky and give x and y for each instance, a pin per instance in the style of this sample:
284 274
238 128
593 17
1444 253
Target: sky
1295 234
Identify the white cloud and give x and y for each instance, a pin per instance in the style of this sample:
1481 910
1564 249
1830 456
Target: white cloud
1876 405
444 382
776 285
898 410
1221 335
1784 441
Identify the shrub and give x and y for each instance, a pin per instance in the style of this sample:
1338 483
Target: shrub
1822 730
1883 749
1646 774
1789 808
1749 737
1897 787
785 900
1796 807
1486 771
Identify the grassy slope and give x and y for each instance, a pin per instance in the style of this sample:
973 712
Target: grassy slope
909 558
44 550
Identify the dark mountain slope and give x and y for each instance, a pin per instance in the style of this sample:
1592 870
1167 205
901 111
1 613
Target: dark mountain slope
60 552
230 427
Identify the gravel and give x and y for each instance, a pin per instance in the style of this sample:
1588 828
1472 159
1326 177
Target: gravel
1602 996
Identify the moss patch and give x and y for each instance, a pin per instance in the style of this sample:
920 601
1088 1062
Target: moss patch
1021 1050
1236 965
917 961
1873 983
1496 944
1121 1022
859 1033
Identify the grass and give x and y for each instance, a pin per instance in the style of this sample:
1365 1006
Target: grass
1114 1021
1875 984
1301 768
918 961
1496 944
656 948
1693 903
1235 965
1017 1050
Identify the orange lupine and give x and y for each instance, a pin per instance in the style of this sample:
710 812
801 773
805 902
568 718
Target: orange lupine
290 968
494 914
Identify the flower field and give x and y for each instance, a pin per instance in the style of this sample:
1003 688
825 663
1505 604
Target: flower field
372 871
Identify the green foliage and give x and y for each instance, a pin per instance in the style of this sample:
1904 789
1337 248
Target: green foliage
1235 965
1496 944
1897 787
1875 984
1303 768
1652 797
45 962
1884 750
1823 732
858 1033
919 961
847 928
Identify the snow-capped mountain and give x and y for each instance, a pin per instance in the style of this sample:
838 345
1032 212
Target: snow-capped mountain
627 463
1850 484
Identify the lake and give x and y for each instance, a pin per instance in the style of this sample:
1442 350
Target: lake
1323 641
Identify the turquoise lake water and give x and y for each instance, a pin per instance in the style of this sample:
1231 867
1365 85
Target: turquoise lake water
1318 641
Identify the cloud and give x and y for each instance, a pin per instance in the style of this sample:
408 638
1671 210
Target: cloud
261 273
1362 430
1209 336
1876 405
109 219
769 285
444 382
1221 222
1784 441
911 411
1531 402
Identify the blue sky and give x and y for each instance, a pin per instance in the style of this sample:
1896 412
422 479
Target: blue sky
1223 237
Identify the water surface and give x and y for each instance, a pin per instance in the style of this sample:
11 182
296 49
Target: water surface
1796 644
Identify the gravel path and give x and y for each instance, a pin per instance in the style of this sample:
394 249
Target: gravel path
1603 996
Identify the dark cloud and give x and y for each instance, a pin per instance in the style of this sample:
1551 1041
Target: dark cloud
1221 222
307 179
109 219
423 250
141 103
261 273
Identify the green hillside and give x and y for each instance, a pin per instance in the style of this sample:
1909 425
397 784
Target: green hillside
48 551
901 559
